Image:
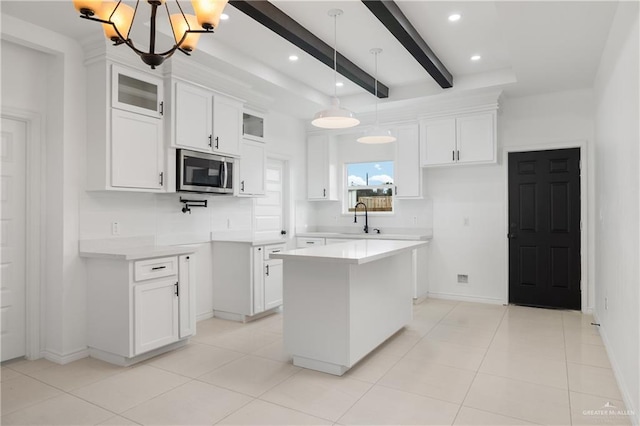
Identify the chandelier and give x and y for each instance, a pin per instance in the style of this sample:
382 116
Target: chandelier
117 19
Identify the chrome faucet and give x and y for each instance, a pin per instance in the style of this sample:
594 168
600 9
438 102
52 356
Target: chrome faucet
366 216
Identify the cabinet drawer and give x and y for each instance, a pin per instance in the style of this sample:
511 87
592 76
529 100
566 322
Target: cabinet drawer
155 268
273 249
302 242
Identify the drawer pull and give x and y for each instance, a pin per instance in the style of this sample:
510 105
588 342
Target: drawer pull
157 268
311 242
275 251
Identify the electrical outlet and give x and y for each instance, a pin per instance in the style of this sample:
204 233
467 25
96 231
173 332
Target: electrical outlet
115 228
463 278
466 221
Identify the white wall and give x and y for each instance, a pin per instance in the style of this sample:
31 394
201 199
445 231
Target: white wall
476 195
617 203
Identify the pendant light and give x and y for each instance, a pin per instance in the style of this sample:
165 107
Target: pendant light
335 117
377 134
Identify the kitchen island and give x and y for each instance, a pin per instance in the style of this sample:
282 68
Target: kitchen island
343 300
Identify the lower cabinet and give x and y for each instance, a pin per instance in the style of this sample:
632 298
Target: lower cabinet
137 309
246 282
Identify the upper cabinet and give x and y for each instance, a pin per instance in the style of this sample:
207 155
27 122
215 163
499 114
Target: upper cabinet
462 139
253 126
408 173
125 149
206 121
321 168
253 169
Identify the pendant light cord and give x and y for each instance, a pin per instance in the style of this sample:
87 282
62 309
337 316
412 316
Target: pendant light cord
335 55
376 85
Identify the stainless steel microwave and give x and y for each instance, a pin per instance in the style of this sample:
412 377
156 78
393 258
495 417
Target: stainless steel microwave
202 172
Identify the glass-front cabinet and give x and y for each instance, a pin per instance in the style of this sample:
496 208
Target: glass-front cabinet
136 92
253 126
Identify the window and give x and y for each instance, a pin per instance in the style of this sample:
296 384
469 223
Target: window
371 184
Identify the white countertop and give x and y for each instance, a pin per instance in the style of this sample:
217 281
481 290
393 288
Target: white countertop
356 252
363 236
133 248
251 241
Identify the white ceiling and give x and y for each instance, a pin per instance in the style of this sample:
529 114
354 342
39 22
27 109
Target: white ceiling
526 47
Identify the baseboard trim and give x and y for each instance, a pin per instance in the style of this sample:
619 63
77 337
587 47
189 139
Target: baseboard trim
465 298
205 316
626 398
65 358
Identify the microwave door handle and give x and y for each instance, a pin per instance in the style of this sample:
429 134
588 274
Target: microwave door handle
221 174
226 174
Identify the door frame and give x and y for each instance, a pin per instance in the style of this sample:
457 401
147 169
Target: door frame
585 281
287 190
35 220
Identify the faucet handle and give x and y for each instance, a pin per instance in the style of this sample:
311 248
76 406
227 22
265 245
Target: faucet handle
377 230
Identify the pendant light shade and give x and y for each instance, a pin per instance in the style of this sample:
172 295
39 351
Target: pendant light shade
377 134
335 117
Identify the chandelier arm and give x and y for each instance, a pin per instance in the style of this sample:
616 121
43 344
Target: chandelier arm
135 11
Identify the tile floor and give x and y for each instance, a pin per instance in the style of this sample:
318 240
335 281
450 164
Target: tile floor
456 363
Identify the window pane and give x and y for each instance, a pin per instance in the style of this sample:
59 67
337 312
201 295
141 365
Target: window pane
371 184
370 174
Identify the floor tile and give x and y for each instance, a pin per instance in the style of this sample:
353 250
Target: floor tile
250 375
399 344
23 391
194 360
595 410
372 367
581 353
194 403
429 379
384 406
520 345
247 340
472 416
126 390
543 371
582 336
260 412
63 409
215 327
591 380
7 373
274 351
76 374
119 421
445 353
466 336
26 367
318 394
514 398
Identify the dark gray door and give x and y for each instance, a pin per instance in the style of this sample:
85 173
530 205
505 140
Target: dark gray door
544 228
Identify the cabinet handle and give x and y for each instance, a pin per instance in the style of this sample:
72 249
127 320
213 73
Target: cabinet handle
324 192
177 290
458 155
217 145
188 258
311 242
453 156
242 186
267 270
162 108
275 251
157 268
210 143
396 190
161 178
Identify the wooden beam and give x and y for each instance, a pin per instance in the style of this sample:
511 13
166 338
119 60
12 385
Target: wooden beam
389 13
282 24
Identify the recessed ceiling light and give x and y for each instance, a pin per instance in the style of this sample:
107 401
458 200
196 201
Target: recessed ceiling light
224 17
476 57
293 58
454 17
339 84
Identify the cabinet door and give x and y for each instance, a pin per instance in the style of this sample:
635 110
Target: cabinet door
253 163
272 284
155 315
136 92
438 142
476 138
322 170
193 117
227 125
408 174
258 280
137 152
186 296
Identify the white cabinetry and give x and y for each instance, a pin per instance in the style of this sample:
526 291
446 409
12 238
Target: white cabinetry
137 309
205 120
464 139
408 173
125 148
321 168
253 168
247 282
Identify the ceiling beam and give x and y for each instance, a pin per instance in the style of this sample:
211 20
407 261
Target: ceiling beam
282 24
389 13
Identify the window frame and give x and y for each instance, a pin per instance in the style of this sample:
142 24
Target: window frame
347 189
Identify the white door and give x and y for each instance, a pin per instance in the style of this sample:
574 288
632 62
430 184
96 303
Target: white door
269 209
273 279
155 314
13 238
